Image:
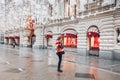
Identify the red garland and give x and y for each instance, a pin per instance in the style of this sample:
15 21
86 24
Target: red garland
48 36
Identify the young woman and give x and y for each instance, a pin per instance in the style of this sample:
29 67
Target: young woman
59 52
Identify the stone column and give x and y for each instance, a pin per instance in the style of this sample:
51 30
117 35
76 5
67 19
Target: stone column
77 7
118 3
24 33
116 35
21 36
39 38
5 40
62 8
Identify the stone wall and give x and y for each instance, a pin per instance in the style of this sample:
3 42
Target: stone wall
105 24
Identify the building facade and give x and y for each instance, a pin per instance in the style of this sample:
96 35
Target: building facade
89 25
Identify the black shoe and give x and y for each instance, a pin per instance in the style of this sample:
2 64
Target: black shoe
60 71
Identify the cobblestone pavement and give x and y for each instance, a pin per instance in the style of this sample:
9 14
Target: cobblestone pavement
36 64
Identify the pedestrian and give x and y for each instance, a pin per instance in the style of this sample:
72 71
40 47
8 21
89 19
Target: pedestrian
59 52
33 39
13 44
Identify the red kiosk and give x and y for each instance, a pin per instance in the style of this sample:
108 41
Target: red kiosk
93 38
70 38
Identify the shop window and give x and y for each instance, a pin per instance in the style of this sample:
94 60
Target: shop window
70 40
93 38
94 43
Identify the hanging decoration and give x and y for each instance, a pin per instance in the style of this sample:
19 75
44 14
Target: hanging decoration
30 25
48 36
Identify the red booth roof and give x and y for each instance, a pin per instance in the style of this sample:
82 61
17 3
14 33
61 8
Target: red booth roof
16 37
11 37
48 36
6 37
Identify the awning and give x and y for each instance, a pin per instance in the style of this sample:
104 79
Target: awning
69 35
16 37
11 37
48 34
6 37
93 32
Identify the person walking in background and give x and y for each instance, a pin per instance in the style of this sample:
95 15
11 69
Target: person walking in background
14 43
59 52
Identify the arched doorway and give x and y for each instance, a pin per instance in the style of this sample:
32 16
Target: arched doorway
93 40
70 38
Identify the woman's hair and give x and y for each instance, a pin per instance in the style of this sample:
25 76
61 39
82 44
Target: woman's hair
59 38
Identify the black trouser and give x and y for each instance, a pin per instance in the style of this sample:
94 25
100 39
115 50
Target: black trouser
60 60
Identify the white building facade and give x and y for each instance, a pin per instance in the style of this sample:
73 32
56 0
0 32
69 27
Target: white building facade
84 24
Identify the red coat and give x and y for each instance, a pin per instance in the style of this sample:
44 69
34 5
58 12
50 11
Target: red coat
59 47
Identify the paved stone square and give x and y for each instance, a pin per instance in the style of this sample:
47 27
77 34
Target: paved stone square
41 64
